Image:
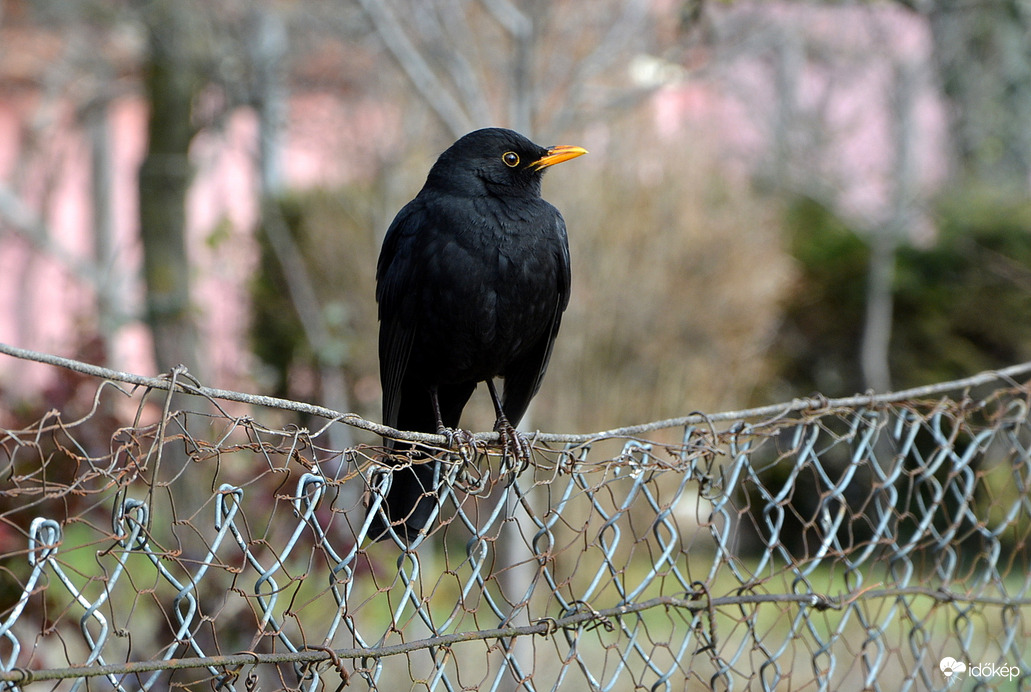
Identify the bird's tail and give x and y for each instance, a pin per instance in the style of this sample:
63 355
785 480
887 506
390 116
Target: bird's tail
413 495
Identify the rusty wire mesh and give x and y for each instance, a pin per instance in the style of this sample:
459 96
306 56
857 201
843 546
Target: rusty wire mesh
164 541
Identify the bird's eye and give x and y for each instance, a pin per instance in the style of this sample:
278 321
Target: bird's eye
510 158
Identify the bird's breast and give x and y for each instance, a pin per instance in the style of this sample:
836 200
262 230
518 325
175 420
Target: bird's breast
492 298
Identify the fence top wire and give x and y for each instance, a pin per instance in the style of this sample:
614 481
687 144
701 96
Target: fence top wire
868 542
181 380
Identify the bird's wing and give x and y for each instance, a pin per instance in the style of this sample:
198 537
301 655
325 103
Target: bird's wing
395 272
524 376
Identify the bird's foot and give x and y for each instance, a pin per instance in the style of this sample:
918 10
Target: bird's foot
514 444
459 440
463 473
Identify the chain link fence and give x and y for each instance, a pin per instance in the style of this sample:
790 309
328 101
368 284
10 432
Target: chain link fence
168 540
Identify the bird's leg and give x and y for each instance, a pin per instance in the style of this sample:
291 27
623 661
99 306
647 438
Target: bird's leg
511 439
463 438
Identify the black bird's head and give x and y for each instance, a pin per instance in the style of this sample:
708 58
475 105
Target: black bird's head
496 161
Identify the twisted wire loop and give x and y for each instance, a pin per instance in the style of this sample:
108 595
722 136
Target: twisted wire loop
832 547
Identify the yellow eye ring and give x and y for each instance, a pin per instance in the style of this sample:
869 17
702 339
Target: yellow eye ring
510 158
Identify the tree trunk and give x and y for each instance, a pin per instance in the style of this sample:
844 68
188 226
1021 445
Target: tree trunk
109 286
876 346
171 81
172 78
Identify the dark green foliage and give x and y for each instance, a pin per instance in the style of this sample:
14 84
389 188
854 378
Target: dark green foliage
338 247
817 349
964 304
276 336
961 305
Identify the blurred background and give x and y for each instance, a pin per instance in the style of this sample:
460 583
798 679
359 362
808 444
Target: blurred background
781 198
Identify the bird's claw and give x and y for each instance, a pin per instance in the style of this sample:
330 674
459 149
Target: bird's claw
459 440
514 444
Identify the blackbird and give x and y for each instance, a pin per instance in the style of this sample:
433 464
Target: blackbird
472 281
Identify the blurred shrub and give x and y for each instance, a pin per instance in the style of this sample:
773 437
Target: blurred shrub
963 305
960 305
817 345
339 249
678 274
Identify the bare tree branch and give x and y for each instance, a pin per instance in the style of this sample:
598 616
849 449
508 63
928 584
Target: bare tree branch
415 67
451 28
616 42
32 228
520 28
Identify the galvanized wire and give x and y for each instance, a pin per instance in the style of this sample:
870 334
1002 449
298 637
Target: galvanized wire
158 541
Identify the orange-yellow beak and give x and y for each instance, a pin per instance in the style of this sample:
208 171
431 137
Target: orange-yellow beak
558 154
